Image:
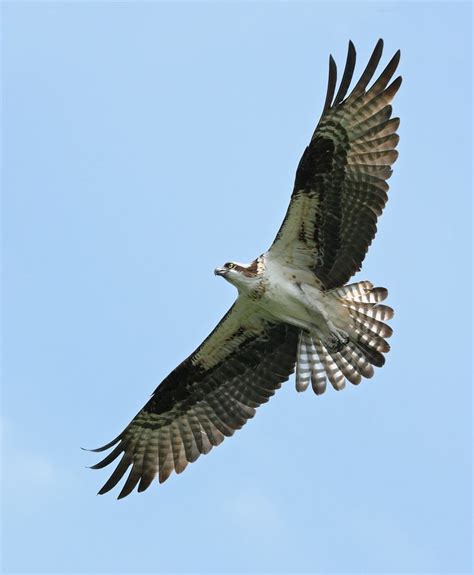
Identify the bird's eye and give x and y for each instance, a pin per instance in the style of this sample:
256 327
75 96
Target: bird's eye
229 265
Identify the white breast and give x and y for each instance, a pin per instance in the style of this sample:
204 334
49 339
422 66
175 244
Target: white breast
286 295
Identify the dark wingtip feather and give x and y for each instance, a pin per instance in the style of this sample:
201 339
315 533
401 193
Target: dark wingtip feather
332 79
146 481
105 447
386 74
391 90
369 69
130 484
117 475
109 458
393 64
164 473
348 73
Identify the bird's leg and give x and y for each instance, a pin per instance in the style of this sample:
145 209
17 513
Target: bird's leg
337 339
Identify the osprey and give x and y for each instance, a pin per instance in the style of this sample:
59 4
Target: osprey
293 311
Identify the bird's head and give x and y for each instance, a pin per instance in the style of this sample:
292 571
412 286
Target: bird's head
242 276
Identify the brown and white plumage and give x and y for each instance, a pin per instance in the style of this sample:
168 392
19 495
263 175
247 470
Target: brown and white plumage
205 399
293 306
340 185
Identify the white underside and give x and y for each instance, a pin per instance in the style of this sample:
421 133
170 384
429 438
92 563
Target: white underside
292 296
342 332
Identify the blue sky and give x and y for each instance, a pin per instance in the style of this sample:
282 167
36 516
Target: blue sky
146 143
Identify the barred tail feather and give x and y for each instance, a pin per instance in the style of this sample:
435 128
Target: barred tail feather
344 362
334 374
358 360
317 363
318 373
309 368
303 365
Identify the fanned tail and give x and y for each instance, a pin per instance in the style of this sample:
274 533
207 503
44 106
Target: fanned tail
317 363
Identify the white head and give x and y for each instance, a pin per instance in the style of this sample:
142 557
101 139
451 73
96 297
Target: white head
245 277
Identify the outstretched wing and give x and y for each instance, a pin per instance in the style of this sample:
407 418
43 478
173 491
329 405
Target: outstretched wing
340 185
206 398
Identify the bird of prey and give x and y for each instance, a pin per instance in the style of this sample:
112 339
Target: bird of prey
294 311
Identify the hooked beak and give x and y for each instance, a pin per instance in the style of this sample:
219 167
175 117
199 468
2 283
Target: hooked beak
220 271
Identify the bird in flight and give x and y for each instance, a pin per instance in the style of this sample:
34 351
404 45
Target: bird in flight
294 310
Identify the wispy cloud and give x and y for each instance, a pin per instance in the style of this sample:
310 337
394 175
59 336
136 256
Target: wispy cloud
255 511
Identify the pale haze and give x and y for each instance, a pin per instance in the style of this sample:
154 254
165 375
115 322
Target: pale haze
144 144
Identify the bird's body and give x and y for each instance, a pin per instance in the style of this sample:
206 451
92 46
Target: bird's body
281 292
295 310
